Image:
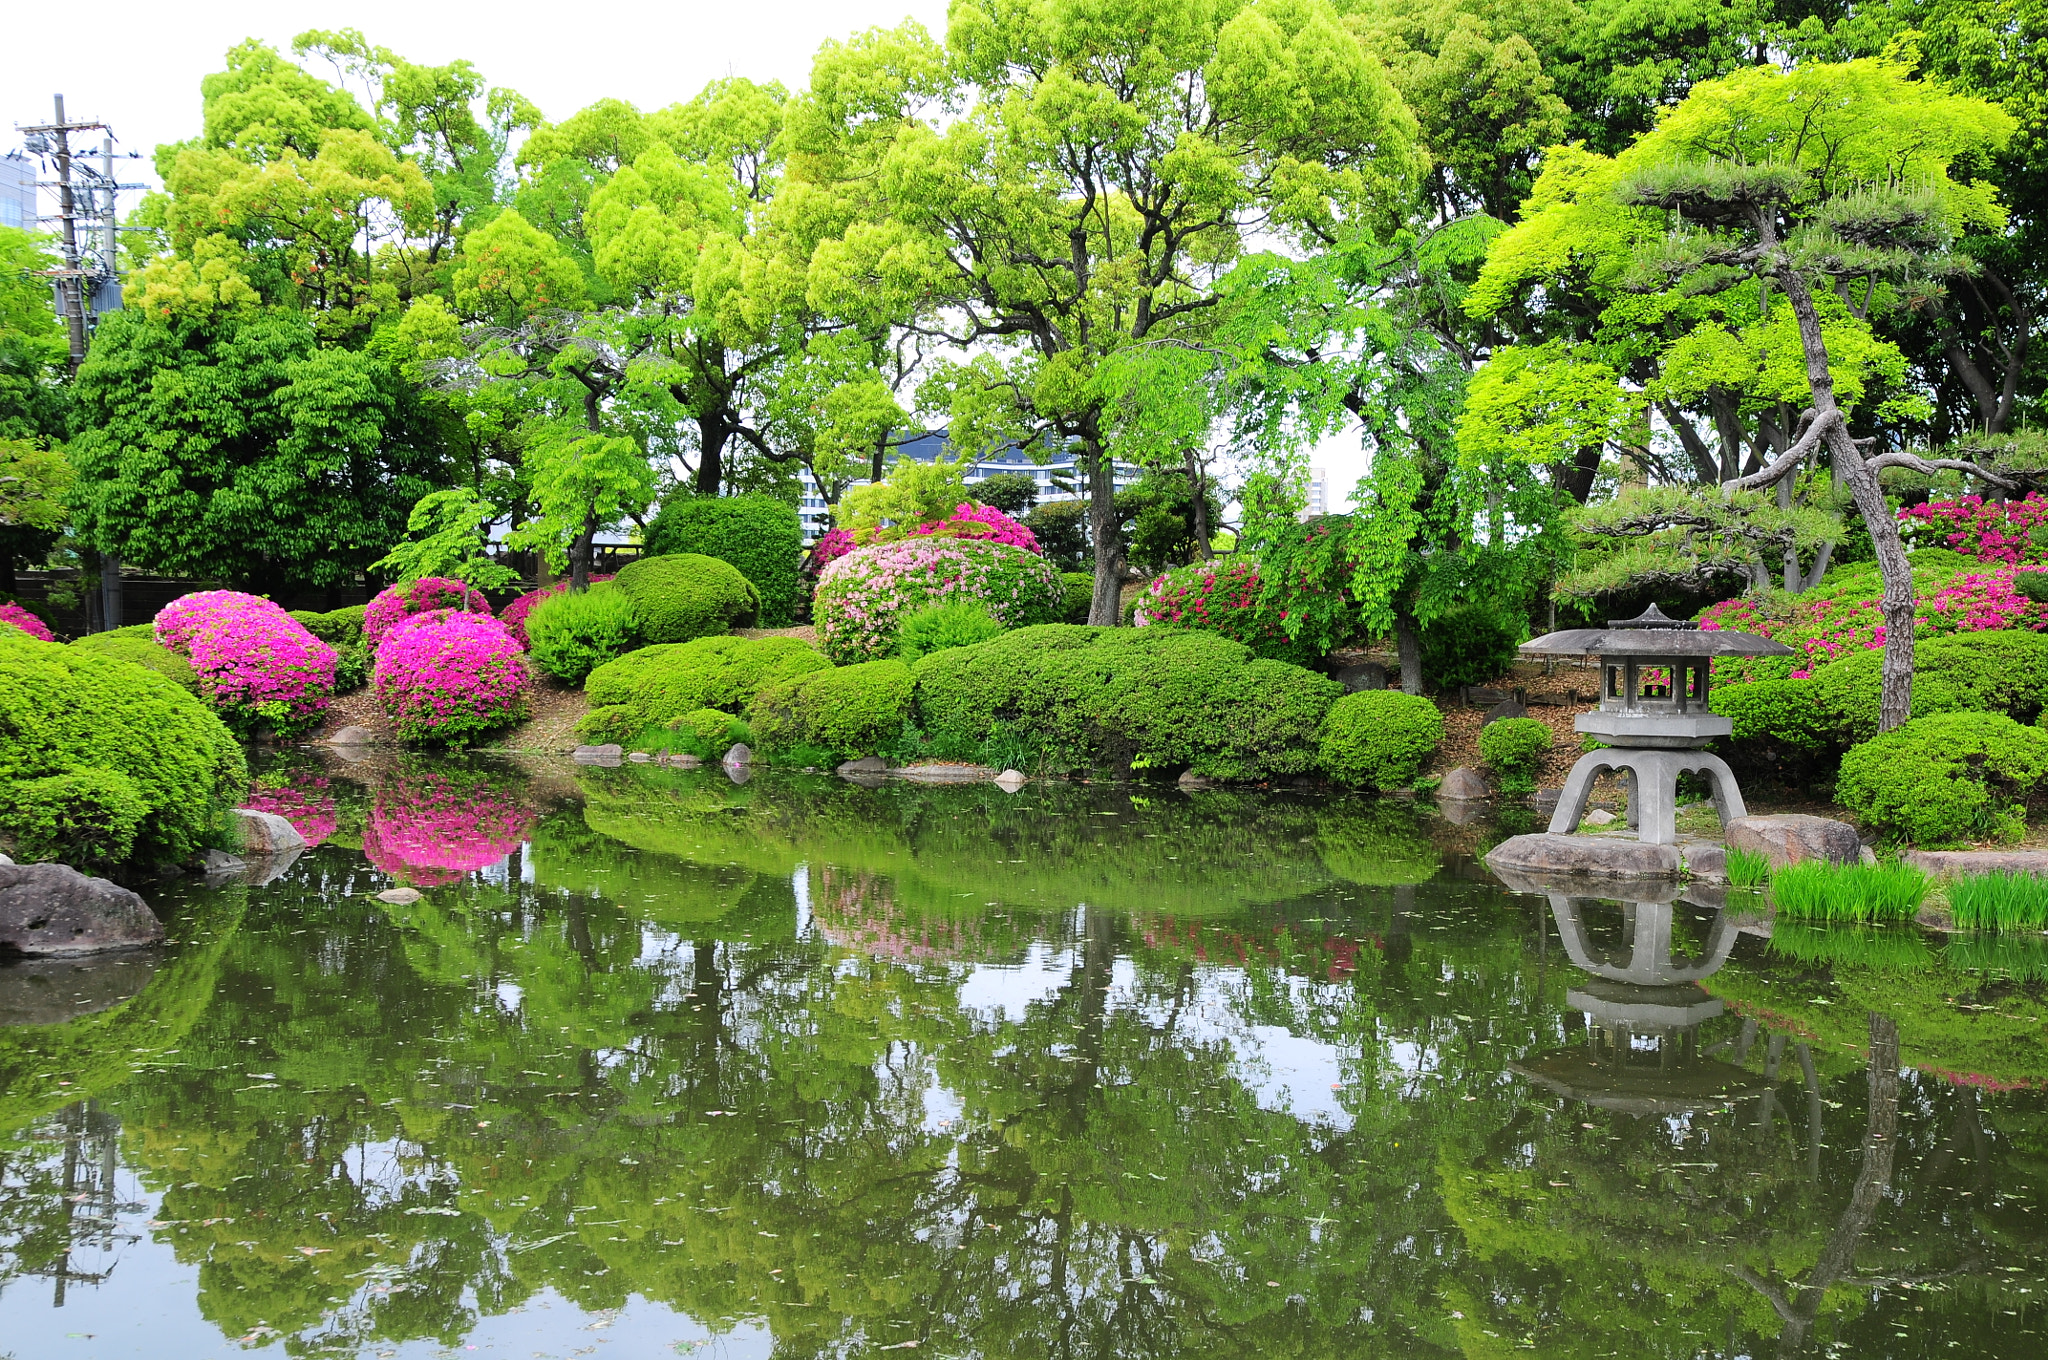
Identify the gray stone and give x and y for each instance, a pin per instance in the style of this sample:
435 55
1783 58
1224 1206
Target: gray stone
738 774
1866 854
1546 799
1486 696
1951 863
865 765
51 991
1190 780
607 754
355 734
1506 708
639 757
1651 776
1704 859
1464 782
1009 781
1790 837
1599 817
54 909
266 833
680 760
4 861
1591 856
1362 675
399 897
737 754
945 774
1464 811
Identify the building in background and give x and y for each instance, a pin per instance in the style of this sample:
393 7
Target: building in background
18 192
1318 493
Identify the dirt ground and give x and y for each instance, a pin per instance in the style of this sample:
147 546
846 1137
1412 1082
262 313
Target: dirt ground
548 729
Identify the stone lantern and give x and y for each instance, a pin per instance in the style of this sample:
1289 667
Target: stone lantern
1653 714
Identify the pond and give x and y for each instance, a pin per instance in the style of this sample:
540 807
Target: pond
661 1064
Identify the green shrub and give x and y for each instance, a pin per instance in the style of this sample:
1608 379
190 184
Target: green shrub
684 596
710 733
1161 698
1470 645
1785 713
1945 779
2000 901
1813 890
1513 748
2032 584
65 711
936 627
759 535
656 685
1378 738
337 628
572 634
848 710
84 817
2000 671
1077 595
139 648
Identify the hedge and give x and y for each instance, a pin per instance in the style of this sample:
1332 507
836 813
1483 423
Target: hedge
64 710
1946 779
1378 738
342 629
759 535
1164 698
656 685
136 646
683 596
848 710
571 634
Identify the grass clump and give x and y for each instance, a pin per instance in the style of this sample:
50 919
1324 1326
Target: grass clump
1999 901
1815 891
938 627
572 634
1748 868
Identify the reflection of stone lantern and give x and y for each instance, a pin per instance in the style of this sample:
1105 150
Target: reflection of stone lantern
1654 674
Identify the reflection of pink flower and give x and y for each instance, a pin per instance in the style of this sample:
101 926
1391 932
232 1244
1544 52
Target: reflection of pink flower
303 802
514 614
431 830
256 664
25 621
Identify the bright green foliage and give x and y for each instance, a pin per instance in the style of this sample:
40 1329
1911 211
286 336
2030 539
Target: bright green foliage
760 535
960 623
64 710
1378 738
1513 748
571 634
913 493
1782 713
657 685
1814 890
84 817
687 595
510 271
1999 901
582 482
1996 671
847 710
1672 537
1946 779
1077 590
1748 868
342 629
136 645
34 481
1542 406
711 733
1470 645
447 532
1156 698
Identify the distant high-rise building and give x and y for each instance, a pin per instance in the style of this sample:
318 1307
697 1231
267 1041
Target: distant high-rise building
17 192
1318 492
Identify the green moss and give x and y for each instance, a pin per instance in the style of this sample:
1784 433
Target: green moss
63 710
684 596
1946 779
571 634
848 710
1513 748
141 649
1378 738
656 685
759 535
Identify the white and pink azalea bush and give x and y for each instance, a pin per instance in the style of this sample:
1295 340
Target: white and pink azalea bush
259 667
863 596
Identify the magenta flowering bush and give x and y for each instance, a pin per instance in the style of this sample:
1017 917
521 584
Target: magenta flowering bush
513 615
832 545
2012 532
302 800
25 621
984 523
864 595
395 604
448 675
1222 597
259 667
430 828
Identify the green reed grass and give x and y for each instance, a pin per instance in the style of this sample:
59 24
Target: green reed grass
1999 901
1748 868
2022 958
1887 949
1813 891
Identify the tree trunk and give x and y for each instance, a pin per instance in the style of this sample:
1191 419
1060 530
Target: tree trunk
711 438
1199 485
1410 648
110 590
1104 608
580 553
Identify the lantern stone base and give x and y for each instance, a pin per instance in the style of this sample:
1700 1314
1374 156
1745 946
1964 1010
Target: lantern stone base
1652 777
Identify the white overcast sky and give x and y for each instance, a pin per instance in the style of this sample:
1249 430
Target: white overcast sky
137 66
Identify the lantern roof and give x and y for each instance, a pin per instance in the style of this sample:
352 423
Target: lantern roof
1654 634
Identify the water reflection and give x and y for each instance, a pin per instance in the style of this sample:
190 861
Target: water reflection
1084 1071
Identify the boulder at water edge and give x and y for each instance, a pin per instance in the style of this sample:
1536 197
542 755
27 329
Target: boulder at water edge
1593 856
53 909
1788 838
1464 782
266 833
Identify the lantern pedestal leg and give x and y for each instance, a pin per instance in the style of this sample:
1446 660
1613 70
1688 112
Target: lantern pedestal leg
1652 776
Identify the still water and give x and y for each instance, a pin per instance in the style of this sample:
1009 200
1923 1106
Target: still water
662 1065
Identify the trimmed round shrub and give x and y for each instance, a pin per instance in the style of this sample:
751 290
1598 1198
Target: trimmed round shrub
685 596
570 635
1946 779
2003 671
395 604
848 710
1513 748
863 597
1785 713
939 626
1378 738
82 817
513 615
259 667
136 646
759 535
1157 698
28 623
64 710
342 629
1077 596
447 676
656 685
709 732
1470 645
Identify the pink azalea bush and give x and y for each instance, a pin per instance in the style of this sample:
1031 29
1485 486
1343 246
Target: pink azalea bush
303 801
1222 597
25 621
2012 532
257 665
395 604
863 596
513 616
447 675
431 828
831 546
983 523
